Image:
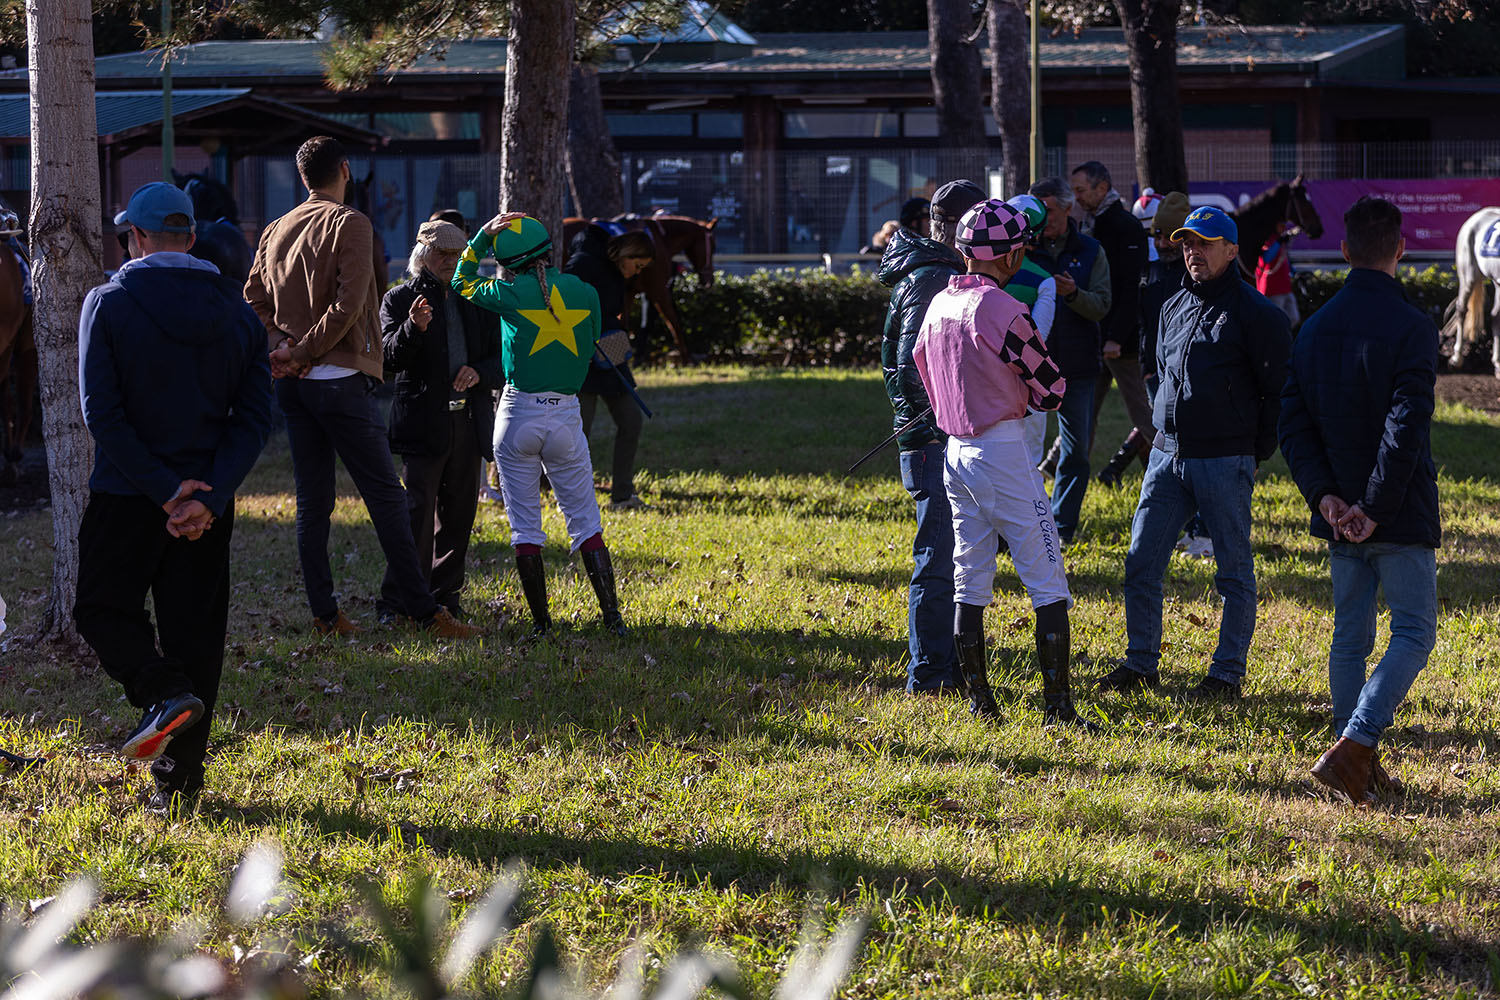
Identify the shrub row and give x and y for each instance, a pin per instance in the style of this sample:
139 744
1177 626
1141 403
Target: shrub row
810 317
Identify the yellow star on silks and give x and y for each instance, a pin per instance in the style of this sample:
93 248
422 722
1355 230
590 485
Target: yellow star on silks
559 329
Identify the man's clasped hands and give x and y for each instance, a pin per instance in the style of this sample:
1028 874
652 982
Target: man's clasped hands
186 517
1348 521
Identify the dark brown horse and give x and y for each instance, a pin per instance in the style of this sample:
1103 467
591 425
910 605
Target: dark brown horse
1258 218
17 350
670 235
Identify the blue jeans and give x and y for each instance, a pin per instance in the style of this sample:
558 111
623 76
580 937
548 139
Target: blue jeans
934 663
1219 489
1075 419
1407 574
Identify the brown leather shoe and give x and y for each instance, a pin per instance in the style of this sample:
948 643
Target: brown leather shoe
1383 783
445 626
1346 768
341 626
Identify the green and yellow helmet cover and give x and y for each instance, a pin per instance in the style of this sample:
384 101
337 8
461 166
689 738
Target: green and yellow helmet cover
1030 206
521 242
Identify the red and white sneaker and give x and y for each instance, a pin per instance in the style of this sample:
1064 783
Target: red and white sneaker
159 723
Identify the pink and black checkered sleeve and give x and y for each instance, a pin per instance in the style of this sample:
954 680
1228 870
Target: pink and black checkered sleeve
1024 351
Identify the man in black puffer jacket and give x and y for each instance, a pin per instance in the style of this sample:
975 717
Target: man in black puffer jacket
916 268
1221 356
1356 415
445 354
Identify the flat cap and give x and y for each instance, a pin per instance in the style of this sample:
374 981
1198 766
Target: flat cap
441 236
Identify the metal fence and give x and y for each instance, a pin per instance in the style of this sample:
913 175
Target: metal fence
799 205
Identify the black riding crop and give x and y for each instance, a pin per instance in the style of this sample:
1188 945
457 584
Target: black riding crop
914 421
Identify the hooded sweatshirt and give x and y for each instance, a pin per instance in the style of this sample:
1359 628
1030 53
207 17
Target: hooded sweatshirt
174 380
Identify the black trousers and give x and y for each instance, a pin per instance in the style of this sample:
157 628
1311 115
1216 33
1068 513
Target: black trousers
341 416
628 420
442 496
124 552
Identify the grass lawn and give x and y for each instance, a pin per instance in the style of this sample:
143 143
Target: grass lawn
748 753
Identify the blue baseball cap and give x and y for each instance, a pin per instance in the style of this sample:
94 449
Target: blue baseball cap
152 203
1210 223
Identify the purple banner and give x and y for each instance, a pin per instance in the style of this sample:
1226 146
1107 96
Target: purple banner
1433 210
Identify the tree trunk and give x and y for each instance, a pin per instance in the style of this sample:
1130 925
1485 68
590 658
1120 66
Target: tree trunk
1151 47
957 90
534 126
1010 91
593 160
66 248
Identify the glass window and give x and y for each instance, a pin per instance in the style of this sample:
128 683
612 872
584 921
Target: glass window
841 125
648 124
919 124
720 124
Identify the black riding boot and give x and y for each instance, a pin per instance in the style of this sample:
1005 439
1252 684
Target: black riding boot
1111 474
602 575
534 585
968 638
1053 652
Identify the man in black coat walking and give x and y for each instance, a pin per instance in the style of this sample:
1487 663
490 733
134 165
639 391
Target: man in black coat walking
1355 419
445 354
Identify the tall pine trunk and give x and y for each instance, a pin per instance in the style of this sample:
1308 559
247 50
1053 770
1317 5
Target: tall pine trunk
957 90
1010 91
534 126
1151 48
66 251
593 160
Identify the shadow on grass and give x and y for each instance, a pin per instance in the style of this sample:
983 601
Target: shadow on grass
1066 900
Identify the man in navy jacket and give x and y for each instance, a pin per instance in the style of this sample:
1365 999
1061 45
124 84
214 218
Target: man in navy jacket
1221 358
1355 417
176 390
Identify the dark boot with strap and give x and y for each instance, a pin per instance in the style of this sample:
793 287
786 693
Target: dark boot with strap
1053 650
534 585
1112 473
968 639
602 575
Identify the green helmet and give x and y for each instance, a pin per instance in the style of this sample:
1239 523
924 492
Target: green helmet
1030 206
521 242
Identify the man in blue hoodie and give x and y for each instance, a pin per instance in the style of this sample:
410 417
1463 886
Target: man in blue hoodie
916 268
176 390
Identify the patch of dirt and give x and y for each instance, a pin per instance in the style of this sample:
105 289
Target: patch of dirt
1481 392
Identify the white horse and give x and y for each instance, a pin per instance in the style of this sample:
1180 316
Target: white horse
1478 257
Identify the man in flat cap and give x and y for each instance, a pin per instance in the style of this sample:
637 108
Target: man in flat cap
445 354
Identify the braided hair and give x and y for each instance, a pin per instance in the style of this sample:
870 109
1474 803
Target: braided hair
539 268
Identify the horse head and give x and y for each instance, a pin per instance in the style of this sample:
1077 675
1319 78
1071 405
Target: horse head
1300 210
212 199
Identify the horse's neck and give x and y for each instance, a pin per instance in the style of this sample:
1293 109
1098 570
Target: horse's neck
1257 222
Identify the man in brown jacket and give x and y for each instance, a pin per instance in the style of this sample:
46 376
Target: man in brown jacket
314 288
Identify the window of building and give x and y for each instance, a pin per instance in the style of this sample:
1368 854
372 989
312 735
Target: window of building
841 125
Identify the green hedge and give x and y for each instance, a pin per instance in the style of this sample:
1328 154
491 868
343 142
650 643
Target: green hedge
810 317
806 317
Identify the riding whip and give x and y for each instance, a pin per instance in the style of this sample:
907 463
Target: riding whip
914 421
612 350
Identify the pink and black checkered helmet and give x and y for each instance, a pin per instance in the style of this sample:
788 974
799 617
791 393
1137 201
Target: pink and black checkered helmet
990 230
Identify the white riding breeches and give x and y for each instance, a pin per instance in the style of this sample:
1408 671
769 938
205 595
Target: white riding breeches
995 491
538 432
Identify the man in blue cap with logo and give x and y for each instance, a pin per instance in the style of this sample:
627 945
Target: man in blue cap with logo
176 390
1221 356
